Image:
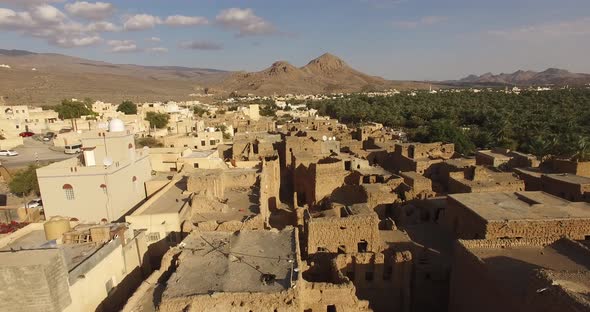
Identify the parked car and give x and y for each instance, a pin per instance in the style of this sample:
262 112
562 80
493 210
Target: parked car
8 153
73 149
26 134
35 203
49 136
64 130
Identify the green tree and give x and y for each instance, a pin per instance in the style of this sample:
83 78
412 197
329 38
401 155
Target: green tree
199 111
149 142
127 107
69 109
25 182
158 120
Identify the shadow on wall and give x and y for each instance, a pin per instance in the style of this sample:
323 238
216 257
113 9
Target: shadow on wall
119 295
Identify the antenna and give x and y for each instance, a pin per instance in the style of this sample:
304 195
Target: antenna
107 161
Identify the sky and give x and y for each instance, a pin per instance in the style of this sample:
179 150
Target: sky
395 39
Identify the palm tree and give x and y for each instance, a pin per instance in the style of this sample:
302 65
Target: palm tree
582 150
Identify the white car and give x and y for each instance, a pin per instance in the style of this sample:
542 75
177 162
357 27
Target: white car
35 203
8 153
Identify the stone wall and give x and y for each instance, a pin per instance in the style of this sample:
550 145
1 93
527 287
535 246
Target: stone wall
33 280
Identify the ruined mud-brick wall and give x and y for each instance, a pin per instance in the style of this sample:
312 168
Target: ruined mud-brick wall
294 144
284 301
573 167
571 228
384 280
477 179
555 297
472 288
531 182
462 222
209 183
417 182
327 234
270 183
234 178
342 296
475 288
379 198
482 159
38 284
570 191
325 177
446 168
520 160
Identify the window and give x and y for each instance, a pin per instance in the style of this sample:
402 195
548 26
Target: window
104 188
211 142
341 249
153 236
130 146
196 165
362 246
331 308
69 191
203 143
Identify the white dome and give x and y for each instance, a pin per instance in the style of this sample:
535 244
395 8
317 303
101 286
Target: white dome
116 125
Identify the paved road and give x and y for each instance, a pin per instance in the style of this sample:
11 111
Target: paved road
31 152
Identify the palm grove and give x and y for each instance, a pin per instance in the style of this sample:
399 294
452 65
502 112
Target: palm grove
541 123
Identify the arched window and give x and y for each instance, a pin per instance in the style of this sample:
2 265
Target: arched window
130 146
104 188
134 179
69 191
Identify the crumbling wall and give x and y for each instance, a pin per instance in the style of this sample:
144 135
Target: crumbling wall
237 178
284 301
350 234
318 296
270 183
326 178
385 281
207 182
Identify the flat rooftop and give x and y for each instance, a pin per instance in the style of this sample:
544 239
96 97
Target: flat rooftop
242 203
227 262
568 178
490 153
513 266
201 154
74 254
500 206
171 201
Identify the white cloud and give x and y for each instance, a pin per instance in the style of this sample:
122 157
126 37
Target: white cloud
141 22
423 21
123 46
91 11
102 27
157 50
200 45
77 42
181 20
153 39
245 22
562 29
46 13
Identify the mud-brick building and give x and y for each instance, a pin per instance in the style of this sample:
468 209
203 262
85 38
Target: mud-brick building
496 215
524 275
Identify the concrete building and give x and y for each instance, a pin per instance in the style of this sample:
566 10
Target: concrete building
70 267
205 140
496 215
106 182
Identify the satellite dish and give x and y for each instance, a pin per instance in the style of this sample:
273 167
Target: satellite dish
324 138
107 161
146 148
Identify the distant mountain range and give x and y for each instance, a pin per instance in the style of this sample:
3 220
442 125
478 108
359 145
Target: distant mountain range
551 76
57 76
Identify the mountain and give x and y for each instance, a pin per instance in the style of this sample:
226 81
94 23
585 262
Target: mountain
551 76
325 74
59 76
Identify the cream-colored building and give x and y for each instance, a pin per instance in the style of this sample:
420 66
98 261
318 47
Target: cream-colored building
61 266
106 182
205 140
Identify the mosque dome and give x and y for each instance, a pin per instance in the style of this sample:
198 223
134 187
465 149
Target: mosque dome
116 125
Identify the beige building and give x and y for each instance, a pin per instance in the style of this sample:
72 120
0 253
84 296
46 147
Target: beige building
63 266
205 140
105 183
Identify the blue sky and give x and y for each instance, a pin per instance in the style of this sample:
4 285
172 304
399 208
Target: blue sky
396 39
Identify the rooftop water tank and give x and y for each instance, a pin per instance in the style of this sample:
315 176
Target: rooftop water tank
56 227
